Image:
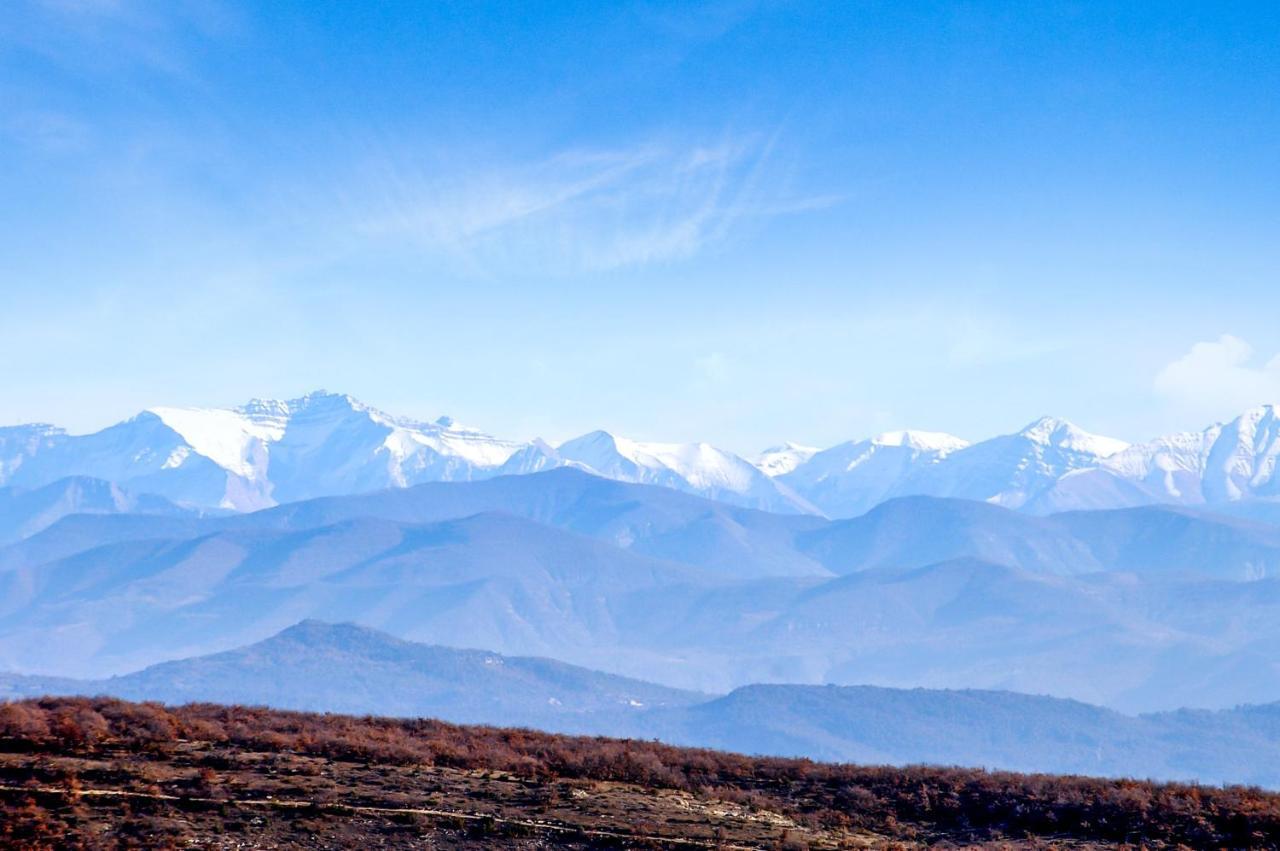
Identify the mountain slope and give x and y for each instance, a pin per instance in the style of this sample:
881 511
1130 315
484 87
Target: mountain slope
643 519
24 513
991 729
266 453
489 580
258 455
782 459
851 478
1013 470
1225 463
697 468
917 531
346 668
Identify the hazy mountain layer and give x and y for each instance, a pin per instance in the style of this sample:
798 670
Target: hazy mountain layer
1140 609
343 668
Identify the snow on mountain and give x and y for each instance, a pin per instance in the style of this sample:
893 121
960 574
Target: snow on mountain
851 478
1242 461
1226 462
257 455
780 460
1013 470
142 454
270 452
1060 434
697 468
1169 468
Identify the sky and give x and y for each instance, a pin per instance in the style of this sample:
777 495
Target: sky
741 222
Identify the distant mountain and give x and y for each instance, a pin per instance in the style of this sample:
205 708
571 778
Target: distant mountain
1117 640
643 519
1011 470
268 453
24 512
261 454
346 668
1129 642
19 444
851 478
489 580
697 468
1223 464
1052 466
743 544
990 729
1137 608
917 531
782 459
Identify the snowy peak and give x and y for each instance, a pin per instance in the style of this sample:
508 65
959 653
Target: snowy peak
232 439
1060 434
935 442
259 454
698 468
1241 462
698 464
1226 462
851 478
269 451
782 459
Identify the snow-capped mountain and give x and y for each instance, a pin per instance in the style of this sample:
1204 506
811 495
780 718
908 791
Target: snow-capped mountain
270 452
260 454
782 459
1227 462
697 468
1013 470
851 478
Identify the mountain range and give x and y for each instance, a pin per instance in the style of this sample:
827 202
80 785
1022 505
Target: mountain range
1139 609
271 452
345 668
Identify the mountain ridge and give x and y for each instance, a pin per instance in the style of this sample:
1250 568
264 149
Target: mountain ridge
317 666
270 452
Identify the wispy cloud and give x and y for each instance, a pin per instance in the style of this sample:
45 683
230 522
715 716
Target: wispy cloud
580 209
97 36
1220 377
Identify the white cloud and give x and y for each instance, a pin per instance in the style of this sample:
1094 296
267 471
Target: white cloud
1220 378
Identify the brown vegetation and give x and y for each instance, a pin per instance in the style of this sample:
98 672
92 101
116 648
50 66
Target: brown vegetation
182 775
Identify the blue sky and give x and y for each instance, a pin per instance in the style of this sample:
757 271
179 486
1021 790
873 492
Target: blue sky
737 221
